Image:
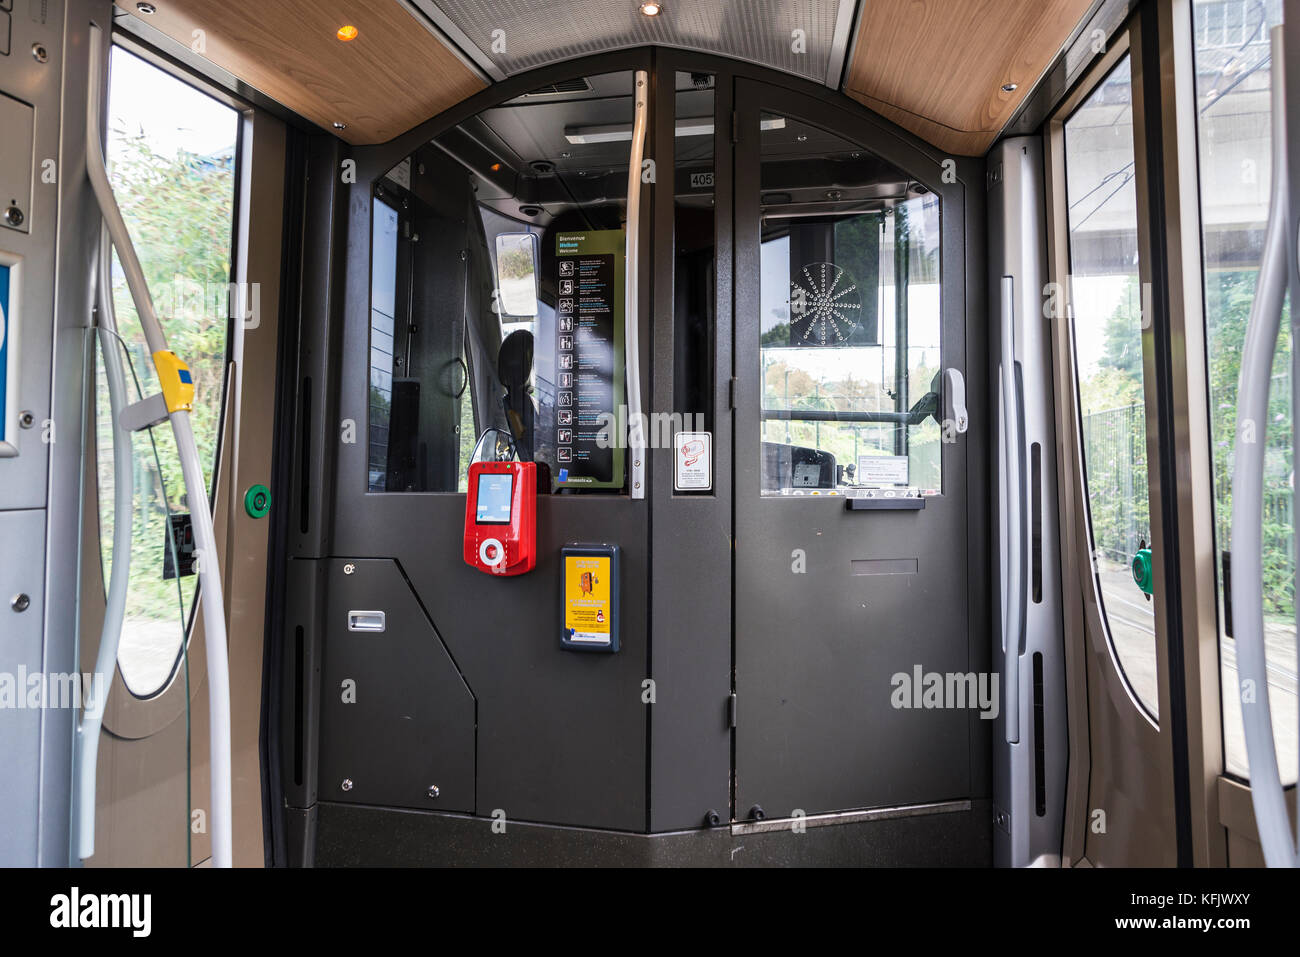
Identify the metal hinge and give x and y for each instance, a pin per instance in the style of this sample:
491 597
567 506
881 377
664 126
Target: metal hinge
731 710
731 392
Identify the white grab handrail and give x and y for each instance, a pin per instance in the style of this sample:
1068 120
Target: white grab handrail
1247 500
110 633
1013 585
631 323
206 565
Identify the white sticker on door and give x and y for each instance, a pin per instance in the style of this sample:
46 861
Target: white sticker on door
882 470
693 461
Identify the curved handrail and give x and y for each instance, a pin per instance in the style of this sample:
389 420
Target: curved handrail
1247 501
632 325
205 541
110 632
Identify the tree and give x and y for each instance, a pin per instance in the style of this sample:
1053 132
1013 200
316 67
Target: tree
179 211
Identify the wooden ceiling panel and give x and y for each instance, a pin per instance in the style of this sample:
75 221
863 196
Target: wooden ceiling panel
937 67
394 75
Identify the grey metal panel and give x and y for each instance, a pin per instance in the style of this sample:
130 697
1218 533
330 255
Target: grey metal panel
815 652
300 687
408 725
952 836
517 35
56 254
22 543
1017 248
24 478
978 451
18 121
561 736
690 661
318 429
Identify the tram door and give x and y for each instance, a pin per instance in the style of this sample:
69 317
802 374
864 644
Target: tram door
852 555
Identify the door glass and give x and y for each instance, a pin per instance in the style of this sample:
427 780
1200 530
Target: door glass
496 292
171 153
850 335
1107 300
1234 75
694 244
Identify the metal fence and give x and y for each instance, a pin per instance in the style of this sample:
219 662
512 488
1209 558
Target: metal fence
1115 454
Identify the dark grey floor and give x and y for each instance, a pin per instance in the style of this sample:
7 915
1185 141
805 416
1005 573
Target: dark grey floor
351 836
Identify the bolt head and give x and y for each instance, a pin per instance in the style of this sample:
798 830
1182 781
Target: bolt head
433 791
21 602
349 568
347 784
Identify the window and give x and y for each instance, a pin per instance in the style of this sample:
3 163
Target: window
851 319
1233 73
497 293
1107 298
516 258
172 163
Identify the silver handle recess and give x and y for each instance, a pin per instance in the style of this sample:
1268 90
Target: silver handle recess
372 621
1247 500
1013 585
632 325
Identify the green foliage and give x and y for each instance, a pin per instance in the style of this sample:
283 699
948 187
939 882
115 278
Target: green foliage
179 211
1114 434
1229 295
515 262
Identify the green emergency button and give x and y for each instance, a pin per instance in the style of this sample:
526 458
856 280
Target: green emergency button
1142 569
257 501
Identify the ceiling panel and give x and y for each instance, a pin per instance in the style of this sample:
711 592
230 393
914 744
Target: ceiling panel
393 76
511 36
937 67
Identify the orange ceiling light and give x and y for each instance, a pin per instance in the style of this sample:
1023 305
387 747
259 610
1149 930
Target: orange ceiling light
346 33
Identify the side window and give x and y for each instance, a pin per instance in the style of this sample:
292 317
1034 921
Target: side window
1234 73
497 294
172 162
1106 295
851 321
516 274
426 282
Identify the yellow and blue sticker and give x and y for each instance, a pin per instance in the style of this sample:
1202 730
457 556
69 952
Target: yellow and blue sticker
175 380
590 597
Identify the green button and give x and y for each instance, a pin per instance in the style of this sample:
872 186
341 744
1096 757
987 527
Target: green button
257 501
1142 569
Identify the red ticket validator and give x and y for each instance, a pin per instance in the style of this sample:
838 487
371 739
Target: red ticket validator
501 517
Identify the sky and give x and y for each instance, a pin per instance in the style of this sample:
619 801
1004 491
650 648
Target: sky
172 114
